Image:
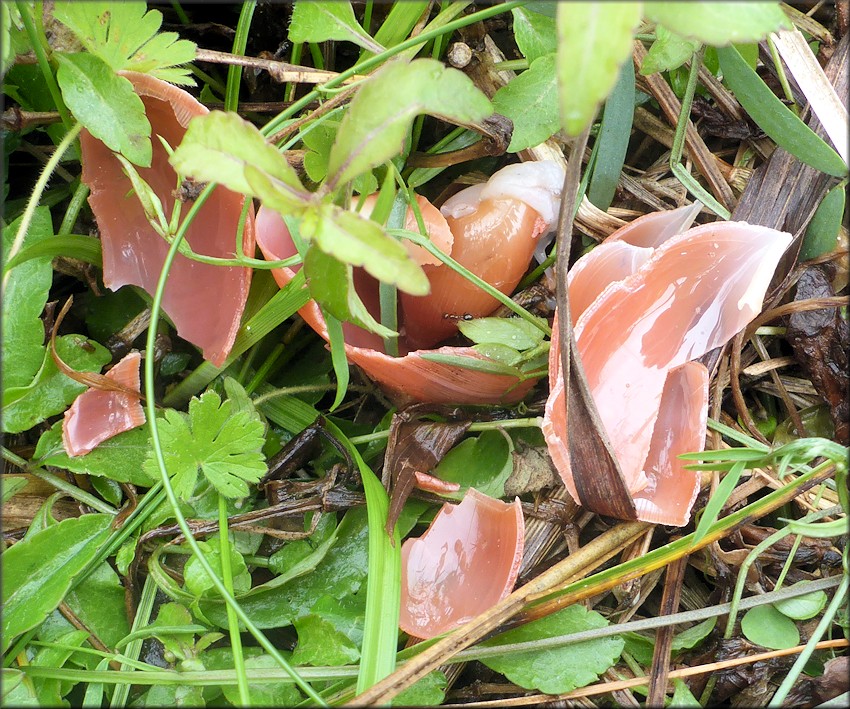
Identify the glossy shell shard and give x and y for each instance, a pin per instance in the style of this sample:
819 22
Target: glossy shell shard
97 415
205 302
494 239
466 562
690 295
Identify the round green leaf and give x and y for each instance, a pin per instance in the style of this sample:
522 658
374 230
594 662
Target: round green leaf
802 607
766 626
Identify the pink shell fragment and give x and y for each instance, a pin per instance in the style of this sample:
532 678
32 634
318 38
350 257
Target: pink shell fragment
204 301
466 562
97 415
645 308
496 242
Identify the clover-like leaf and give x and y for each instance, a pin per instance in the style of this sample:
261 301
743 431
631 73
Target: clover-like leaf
224 444
381 114
125 35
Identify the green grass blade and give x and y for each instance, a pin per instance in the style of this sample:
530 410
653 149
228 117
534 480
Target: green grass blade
774 118
82 248
718 499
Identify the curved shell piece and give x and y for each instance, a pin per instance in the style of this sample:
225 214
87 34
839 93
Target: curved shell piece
205 302
695 292
466 562
97 415
410 377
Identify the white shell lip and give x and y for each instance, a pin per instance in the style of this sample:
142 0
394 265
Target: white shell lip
537 184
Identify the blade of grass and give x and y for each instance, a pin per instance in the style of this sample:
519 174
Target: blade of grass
234 71
774 118
77 246
336 339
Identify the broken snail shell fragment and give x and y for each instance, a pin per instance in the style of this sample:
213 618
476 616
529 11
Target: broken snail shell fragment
204 301
465 563
490 229
646 303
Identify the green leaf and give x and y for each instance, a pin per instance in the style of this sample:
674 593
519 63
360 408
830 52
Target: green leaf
562 669
99 601
48 689
12 485
513 332
319 21
484 463
694 635
222 147
381 114
120 458
682 696
225 445
668 51
594 39
613 139
531 102
358 241
822 232
125 36
39 570
802 607
473 363
106 105
719 23
264 694
24 296
718 499
14 39
776 119
320 643
198 581
535 34
501 353
426 692
331 284
336 340
17 692
77 246
51 392
766 626
318 142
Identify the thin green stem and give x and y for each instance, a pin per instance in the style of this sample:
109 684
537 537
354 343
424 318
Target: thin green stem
150 396
78 199
477 427
783 78
240 41
678 148
38 190
232 621
134 648
38 42
181 13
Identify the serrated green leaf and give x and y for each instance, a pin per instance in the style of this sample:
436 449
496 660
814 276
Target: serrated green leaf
719 23
125 36
381 114
321 20
319 141
225 445
39 570
766 626
120 458
776 119
594 39
668 51
802 607
51 392
320 643
531 102
484 463
513 332
222 147
358 241
24 296
562 669
106 105
535 34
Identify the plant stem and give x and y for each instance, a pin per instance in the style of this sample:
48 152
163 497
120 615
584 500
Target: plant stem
240 41
38 190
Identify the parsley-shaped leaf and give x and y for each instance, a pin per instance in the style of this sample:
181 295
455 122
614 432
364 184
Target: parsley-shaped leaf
125 35
214 438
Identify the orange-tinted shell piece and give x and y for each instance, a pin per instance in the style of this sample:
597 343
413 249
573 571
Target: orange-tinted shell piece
692 294
407 378
205 302
466 562
97 415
